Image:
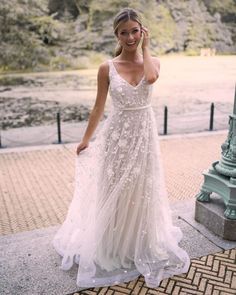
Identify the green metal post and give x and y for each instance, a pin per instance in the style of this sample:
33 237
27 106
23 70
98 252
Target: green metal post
221 178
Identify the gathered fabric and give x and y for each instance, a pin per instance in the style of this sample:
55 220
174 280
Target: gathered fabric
119 224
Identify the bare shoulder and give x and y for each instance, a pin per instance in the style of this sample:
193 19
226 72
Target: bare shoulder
103 74
104 69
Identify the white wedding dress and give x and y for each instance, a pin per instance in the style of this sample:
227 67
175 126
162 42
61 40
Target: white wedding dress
119 224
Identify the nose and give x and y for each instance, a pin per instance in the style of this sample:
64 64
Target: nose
130 36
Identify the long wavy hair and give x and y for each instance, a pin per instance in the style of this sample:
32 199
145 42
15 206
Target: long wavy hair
123 16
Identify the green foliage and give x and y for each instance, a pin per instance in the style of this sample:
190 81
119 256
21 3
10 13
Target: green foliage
68 34
192 52
65 62
48 29
60 62
82 62
20 47
163 29
226 7
96 58
198 37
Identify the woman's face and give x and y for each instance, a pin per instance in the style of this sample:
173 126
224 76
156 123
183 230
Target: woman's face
129 35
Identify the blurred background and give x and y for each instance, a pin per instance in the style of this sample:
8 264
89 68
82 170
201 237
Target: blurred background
50 51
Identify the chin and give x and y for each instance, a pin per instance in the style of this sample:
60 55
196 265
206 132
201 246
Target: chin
131 48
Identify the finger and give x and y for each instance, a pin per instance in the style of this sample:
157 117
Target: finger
81 148
78 149
145 32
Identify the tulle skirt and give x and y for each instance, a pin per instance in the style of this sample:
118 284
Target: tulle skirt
119 222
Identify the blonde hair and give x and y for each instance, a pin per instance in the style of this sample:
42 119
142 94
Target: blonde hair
123 16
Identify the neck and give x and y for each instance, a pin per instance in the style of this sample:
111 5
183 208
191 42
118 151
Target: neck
130 56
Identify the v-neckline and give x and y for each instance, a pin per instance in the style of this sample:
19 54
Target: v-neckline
134 86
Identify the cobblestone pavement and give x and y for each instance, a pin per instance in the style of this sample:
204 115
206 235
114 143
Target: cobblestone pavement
209 275
36 187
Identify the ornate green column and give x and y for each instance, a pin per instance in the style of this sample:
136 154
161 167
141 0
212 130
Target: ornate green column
221 178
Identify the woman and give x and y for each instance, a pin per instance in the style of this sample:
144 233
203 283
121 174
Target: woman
119 225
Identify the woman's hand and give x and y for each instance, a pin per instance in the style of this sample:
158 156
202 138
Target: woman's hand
146 39
83 145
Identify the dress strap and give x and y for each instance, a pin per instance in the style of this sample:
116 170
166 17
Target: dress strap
110 63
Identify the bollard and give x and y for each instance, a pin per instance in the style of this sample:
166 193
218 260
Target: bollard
211 116
59 127
165 119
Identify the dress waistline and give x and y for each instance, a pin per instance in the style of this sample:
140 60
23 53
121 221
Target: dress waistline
134 108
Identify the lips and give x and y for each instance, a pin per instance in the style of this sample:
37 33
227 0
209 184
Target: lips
131 44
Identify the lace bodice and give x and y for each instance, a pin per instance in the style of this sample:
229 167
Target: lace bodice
125 95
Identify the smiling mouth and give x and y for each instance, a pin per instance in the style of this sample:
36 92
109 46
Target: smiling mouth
131 44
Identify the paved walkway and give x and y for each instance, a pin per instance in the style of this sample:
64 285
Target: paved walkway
37 183
211 274
36 186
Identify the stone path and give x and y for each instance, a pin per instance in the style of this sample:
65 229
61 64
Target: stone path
37 183
209 275
36 186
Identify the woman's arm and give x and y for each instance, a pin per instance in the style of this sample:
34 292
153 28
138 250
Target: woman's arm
98 109
151 64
